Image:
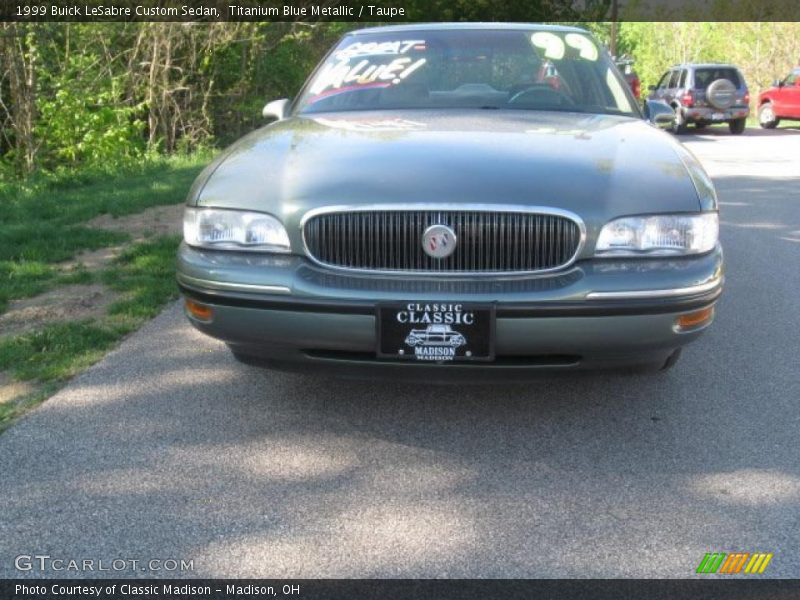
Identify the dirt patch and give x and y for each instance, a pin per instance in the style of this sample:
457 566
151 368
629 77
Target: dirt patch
155 221
158 220
69 302
75 302
92 260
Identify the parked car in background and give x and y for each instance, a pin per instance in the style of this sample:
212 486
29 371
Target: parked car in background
433 205
781 101
705 94
625 66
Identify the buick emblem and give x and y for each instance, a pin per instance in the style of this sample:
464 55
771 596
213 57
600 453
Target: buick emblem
439 241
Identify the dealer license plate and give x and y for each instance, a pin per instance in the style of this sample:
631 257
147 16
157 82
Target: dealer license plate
438 332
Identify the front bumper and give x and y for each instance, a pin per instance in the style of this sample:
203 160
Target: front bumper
599 313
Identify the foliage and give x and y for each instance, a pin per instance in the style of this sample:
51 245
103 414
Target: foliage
79 125
764 51
106 94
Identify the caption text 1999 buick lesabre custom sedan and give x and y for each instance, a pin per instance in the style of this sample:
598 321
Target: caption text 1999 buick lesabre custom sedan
455 200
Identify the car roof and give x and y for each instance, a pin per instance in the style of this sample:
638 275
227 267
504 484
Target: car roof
466 26
705 66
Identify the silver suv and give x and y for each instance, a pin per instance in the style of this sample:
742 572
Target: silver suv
704 94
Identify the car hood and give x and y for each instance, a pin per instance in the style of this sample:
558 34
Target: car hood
596 166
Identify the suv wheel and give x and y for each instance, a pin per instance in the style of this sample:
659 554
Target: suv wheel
766 116
737 126
679 126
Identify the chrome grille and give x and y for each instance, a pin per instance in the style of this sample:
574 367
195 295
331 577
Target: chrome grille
488 241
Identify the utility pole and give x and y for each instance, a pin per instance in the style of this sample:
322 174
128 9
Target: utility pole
614 15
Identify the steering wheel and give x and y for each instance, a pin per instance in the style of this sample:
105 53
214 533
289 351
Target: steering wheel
541 93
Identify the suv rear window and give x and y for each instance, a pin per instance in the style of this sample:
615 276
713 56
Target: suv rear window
703 77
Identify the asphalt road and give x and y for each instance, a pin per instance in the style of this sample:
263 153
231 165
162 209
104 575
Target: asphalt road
168 449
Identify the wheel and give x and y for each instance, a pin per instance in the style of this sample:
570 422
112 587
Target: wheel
679 126
766 116
673 358
737 126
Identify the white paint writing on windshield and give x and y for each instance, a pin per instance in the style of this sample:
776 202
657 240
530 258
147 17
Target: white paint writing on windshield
364 73
380 48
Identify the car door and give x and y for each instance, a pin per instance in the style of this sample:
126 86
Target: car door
661 87
673 91
790 96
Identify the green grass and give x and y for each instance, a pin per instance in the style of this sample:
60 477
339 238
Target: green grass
21 279
42 219
146 275
57 351
76 197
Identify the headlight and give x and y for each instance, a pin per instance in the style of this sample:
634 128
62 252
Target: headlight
234 230
659 235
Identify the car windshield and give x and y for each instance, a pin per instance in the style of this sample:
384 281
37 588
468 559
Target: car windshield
470 68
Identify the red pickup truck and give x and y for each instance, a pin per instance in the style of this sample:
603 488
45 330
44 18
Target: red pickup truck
781 101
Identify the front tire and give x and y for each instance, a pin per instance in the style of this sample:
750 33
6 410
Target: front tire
737 126
766 116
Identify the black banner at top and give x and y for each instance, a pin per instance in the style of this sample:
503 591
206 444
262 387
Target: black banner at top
398 10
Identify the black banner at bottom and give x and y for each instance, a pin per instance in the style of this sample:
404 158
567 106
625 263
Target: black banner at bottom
397 589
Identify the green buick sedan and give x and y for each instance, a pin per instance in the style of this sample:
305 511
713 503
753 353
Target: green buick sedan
454 202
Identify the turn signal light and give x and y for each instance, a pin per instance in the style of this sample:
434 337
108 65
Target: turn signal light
202 312
695 319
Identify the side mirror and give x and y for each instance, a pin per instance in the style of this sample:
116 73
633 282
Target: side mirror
277 109
777 83
659 113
